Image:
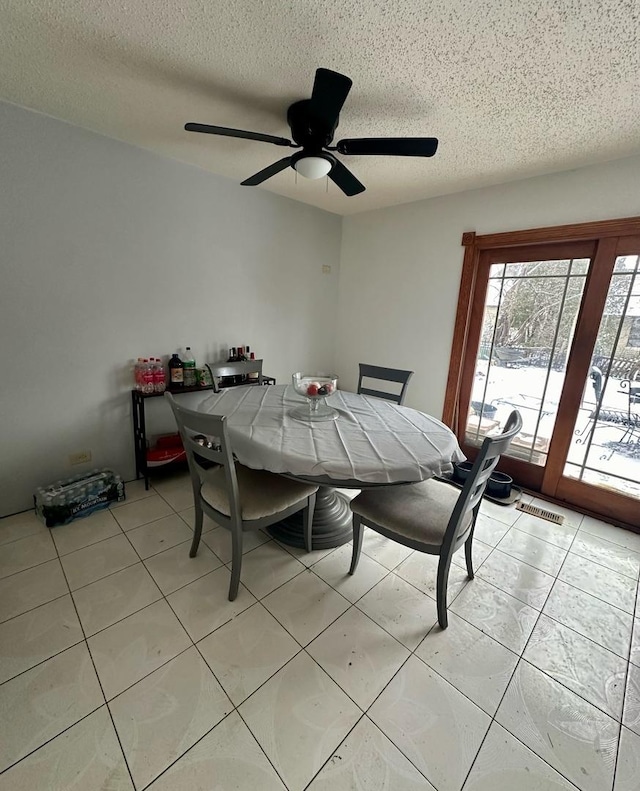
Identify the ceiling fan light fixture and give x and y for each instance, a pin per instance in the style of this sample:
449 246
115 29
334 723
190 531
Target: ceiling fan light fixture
313 167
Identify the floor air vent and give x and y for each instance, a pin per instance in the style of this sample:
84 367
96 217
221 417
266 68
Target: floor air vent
557 519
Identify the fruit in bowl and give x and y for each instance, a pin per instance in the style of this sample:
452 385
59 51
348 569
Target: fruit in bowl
314 386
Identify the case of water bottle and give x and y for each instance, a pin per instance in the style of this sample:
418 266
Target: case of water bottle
64 501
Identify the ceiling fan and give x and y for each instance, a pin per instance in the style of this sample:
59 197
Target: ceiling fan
313 123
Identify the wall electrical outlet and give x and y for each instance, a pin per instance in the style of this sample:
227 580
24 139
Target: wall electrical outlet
81 457
326 269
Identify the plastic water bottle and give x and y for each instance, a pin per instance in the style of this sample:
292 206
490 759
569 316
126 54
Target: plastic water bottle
189 368
147 377
159 376
137 373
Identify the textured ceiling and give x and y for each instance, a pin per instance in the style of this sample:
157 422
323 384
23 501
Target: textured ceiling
512 88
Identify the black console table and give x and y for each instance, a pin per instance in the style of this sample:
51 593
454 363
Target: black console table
138 399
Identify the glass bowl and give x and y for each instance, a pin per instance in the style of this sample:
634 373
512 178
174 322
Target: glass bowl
315 388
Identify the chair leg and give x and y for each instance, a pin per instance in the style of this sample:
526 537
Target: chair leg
197 530
468 549
236 561
441 590
307 516
357 542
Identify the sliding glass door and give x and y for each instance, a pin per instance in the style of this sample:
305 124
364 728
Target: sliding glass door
554 331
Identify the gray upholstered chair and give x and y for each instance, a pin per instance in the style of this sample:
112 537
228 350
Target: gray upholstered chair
386 375
431 516
248 368
231 494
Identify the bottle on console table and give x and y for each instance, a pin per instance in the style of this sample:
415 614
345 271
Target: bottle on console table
189 363
253 376
176 373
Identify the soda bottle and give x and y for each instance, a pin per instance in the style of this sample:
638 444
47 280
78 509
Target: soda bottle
147 377
159 376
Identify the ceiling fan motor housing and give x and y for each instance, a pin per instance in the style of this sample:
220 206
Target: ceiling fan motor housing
308 131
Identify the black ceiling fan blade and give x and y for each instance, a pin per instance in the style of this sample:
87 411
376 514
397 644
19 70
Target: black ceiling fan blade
345 179
330 91
265 174
241 133
390 146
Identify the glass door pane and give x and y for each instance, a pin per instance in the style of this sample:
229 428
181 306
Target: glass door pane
530 314
605 450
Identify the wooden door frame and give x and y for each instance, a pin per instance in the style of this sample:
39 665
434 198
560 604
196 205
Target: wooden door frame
604 237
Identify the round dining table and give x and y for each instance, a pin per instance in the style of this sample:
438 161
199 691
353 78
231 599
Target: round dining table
371 443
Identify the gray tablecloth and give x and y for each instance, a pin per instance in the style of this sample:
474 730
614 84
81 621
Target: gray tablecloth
372 441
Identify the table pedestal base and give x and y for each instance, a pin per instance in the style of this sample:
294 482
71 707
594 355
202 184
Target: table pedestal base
331 522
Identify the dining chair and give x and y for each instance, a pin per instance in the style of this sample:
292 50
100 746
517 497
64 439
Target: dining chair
234 496
430 516
385 375
249 370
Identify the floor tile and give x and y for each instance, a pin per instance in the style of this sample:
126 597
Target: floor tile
400 609
489 530
204 605
599 581
421 571
163 715
613 556
140 512
576 738
86 757
26 552
617 535
474 663
532 550
157 536
584 667
131 649
631 716
82 532
299 717
628 766
334 570
434 725
247 651
506 514
481 552
266 568
305 606
358 655
571 518
44 701
230 754
383 550
505 764
31 588
219 542
98 560
22 525
501 616
37 635
560 535
173 568
188 515
308 559
517 578
635 643
113 598
590 617
177 492
134 491
368 760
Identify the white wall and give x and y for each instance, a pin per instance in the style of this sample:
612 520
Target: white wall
108 252
400 267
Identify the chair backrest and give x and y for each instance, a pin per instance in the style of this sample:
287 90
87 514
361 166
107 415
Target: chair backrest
219 370
217 450
385 375
485 463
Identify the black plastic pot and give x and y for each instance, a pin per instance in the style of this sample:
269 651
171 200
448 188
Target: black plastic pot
461 470
499 484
